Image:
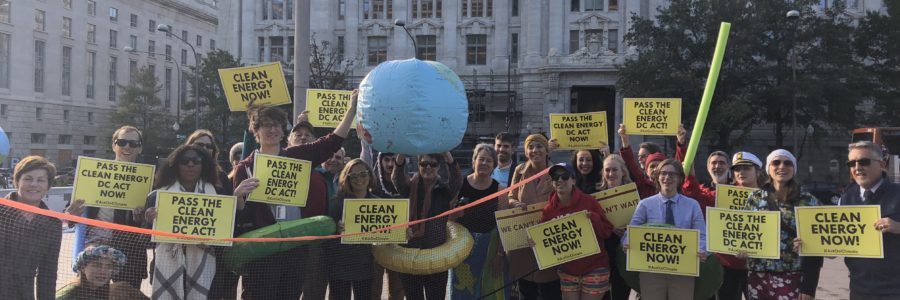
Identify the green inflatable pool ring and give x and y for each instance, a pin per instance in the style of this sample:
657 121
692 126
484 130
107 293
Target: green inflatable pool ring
243 253
705 286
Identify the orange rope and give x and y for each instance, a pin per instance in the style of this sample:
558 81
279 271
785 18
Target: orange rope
132 229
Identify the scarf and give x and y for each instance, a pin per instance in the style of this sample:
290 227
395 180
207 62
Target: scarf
184 272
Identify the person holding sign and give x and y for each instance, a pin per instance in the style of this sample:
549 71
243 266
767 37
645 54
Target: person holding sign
264 279
646 186
872 278
482 271
349 266
672 208
790 276
522 263
428 197
183 271
615 174
588 277
127 144
30 275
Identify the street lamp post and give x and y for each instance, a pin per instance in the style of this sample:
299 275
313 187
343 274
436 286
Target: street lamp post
794 16
402 24
175 126
168 30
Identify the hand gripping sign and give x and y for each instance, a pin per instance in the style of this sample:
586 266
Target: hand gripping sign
652 116
112 184
282 180
327 107
579 131
756 233
563 240
619 203
200 215
367 215
840 231
264 84
663 250
513 222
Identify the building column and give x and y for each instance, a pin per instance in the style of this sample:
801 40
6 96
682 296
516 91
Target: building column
450 14
248 29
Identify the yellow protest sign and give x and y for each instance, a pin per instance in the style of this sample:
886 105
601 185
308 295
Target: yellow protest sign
112 184
282 180
732 231
563 240
365 215
264 84
663 250
732 197
579 131
652 116
327 107
839 231
200 215
513 222
619 203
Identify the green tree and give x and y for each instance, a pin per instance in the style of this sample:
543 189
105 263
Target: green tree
329 69
755 84
140 106
878 41
227 126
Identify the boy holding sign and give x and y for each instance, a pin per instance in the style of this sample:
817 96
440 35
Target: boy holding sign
588 277
672 208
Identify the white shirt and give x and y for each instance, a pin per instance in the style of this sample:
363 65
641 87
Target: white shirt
862 191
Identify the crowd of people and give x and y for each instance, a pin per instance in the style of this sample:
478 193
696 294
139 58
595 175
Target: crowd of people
111 264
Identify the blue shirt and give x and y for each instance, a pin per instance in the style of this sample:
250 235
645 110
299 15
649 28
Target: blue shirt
501 175
652 210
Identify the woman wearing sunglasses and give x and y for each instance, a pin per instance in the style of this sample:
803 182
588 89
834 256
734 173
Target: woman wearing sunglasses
127 143
789 277
349 266
183 271
584 278
428 196
534 283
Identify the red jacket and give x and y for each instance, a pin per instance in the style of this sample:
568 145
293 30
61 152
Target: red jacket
706 197
645 185
602 228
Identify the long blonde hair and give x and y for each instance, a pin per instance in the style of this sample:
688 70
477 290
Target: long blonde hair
626 177
346 190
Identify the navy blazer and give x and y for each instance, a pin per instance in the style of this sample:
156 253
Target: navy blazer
870 276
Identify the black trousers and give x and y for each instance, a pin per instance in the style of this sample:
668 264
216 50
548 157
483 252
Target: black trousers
734 284
534 291
275 277
340 289
224 284
618 288
421 287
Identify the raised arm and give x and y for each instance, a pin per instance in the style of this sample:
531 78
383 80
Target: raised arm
399 176
344 127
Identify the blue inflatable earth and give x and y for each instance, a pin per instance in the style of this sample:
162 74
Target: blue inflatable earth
412 107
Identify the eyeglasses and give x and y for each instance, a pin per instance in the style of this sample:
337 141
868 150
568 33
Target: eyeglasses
358 175
425 164
184 161
864 162
207 146
667 174
561 175
787 163
130 143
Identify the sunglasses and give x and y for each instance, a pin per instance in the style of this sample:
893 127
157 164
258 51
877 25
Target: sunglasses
787 163
207 146
358 175
425 164
129 143
561 175
864 162
184 161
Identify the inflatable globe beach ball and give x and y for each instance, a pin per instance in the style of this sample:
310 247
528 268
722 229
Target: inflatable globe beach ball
412 107
4 144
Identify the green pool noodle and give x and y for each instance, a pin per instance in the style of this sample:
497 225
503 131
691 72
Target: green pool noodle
708 92
242 253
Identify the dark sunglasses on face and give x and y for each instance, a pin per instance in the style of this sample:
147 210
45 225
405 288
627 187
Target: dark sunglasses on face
787 163
864 162
562 175
184 161
357 175
130 143
425 164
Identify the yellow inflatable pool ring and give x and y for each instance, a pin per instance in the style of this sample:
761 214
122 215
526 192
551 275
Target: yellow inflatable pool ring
428 261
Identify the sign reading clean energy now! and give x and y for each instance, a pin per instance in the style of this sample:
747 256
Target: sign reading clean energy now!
579 131
619 203
563 240
264 84
282 180
663 250
756 233
112 184
200 215
840 231
327 107
367 215
513 223
732 197
652 116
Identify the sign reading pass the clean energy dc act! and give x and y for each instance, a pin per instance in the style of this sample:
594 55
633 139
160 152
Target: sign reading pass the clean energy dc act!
327 107
200 215
652 116
282 180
